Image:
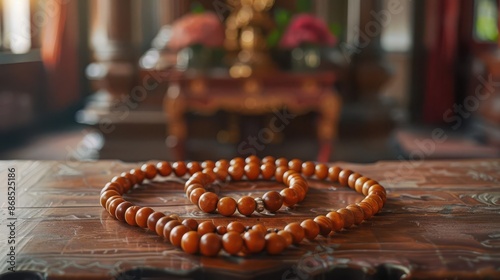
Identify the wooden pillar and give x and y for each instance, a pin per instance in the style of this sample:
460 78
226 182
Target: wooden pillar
114 52
171 10
369 67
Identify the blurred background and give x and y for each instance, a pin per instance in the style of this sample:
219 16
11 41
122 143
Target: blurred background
327 80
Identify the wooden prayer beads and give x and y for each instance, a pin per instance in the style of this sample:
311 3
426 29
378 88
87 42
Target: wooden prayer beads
236 238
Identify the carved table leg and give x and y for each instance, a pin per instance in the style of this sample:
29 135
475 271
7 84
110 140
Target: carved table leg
174 107
329 110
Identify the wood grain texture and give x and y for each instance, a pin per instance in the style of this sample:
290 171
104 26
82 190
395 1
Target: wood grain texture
441 220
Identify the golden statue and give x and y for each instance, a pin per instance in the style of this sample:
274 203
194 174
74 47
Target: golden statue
246 30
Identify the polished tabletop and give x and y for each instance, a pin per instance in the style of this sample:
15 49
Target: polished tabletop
441 220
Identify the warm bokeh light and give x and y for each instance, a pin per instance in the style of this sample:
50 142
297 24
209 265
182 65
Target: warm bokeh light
17 25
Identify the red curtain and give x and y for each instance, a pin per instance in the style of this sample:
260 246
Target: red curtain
59 50
442 44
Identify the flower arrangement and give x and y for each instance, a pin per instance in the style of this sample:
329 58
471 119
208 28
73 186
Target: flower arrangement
203 29
306 29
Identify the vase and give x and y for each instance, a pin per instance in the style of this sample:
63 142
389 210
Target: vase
306 58
195 57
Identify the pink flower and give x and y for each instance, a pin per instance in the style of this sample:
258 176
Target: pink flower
205 29
305 28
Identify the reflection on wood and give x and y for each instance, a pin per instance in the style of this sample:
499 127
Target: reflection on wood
440 221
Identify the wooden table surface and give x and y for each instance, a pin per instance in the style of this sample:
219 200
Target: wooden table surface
441 220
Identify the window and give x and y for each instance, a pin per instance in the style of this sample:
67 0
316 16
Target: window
16 24
486 21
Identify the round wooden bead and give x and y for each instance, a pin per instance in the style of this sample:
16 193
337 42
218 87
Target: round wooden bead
278 174
192 224
269 159
164 168
287 174
195 195
260 227
121 209
130 177
112 186
149 170
367 209
275 244
193 167
106 195
281 162
311 229
267 170
139 174
206 227
272 201
295 164
373 204
296 231
210 244
192 187
122 181
190 242
290 197
208 202
177 233
141 217
287 236
222 163
301 193
175 217
252 159
352 179
236 171
167 229
252 171
377 199
130 215
226 206
160 224
380 194
246 205
221 230
367 185
237 160
111 200
254 241
325 225
344 176
199 178
113 205
321 171
357 212
308 168
337 220
180 168
210 164
358 185
347 216
211 174
221 173
333 173
232 242
236 226
118 183
299 181
153 219
377 188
